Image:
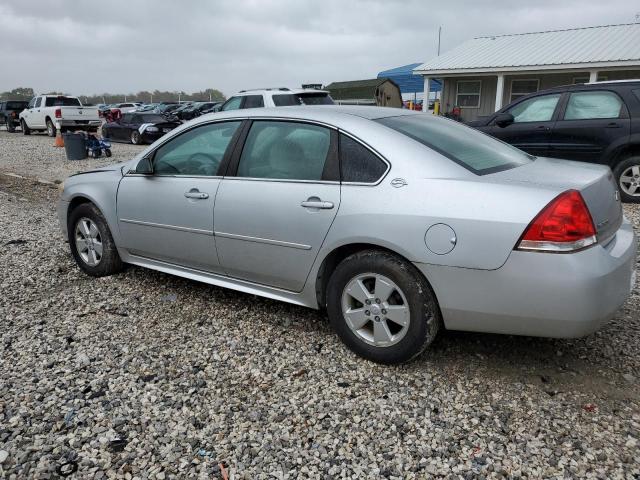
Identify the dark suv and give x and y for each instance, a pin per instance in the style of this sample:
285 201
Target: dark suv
598 122
9 113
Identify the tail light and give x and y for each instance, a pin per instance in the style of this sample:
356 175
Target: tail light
565 225
58 113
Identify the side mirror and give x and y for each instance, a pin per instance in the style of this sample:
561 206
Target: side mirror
504 119
145 166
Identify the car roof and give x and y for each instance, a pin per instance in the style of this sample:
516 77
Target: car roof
278 91
322 113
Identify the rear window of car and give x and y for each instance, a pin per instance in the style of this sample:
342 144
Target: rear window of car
150 118
15 105
285 100
62 102
319 98
475 151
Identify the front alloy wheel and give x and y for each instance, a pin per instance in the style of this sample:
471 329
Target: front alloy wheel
135 137
88 242
630 181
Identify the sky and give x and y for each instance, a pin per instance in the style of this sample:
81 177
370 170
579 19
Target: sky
86 47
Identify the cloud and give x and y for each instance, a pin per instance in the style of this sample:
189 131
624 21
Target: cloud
131 45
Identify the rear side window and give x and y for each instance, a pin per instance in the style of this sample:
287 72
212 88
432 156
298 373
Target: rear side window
358 163
285 100
253 101
475 151
316 98
285 150
591 105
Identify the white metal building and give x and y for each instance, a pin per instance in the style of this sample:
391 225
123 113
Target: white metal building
485 73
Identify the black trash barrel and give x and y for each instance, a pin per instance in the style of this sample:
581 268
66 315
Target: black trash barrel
75 146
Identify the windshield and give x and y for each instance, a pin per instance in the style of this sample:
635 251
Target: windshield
62 102
470 148
319 98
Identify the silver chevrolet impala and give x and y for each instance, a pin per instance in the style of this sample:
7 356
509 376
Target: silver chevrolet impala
397 222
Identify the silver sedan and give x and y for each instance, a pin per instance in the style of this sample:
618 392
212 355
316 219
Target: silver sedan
397 222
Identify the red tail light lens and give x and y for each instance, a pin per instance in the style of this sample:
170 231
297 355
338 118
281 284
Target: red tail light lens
565 225
58 113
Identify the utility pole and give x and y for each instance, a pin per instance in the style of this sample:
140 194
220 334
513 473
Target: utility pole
439 33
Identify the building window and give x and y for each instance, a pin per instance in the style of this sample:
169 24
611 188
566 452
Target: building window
520 88
468 93
577 80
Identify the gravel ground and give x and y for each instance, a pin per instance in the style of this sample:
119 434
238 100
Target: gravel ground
144 375
35 156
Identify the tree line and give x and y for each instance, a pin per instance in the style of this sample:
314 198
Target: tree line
209 94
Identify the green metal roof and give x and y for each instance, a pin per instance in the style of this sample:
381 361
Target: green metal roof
356 89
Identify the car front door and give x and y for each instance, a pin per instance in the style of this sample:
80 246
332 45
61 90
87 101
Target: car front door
533 121
590 122
274 209
167 215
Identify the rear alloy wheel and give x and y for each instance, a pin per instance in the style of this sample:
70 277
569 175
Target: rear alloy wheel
51 129
382 307
627 174
25 129
135 137
91 243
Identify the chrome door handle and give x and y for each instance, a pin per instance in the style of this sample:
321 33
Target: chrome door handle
317 204
196 194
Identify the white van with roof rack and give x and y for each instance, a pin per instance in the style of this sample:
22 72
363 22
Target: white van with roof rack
276 97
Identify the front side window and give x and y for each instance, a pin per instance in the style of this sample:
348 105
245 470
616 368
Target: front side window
358 163
197 152
32 102
232 104
468 93
520 88
537 109
593 105
285 150
38 102
253 101
475 151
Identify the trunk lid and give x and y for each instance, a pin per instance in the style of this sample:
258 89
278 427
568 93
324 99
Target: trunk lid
594 182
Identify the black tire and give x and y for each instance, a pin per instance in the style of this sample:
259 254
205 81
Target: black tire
107 152
25 129
136 137
424 313
631 179
110 261
10 126
51 128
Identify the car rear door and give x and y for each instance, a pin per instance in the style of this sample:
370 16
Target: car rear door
589 122
533 123
277 203
168 215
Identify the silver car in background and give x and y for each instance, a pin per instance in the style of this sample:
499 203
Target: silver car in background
397 222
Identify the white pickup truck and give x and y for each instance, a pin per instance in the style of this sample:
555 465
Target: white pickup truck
47 112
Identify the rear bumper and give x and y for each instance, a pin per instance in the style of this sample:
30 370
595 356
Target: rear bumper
540 294
79 126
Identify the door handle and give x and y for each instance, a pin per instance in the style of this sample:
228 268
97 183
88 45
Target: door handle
542 127
613 125
196 194
317 204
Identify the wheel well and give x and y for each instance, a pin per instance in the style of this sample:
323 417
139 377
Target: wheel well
75 203
625 152
332 260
